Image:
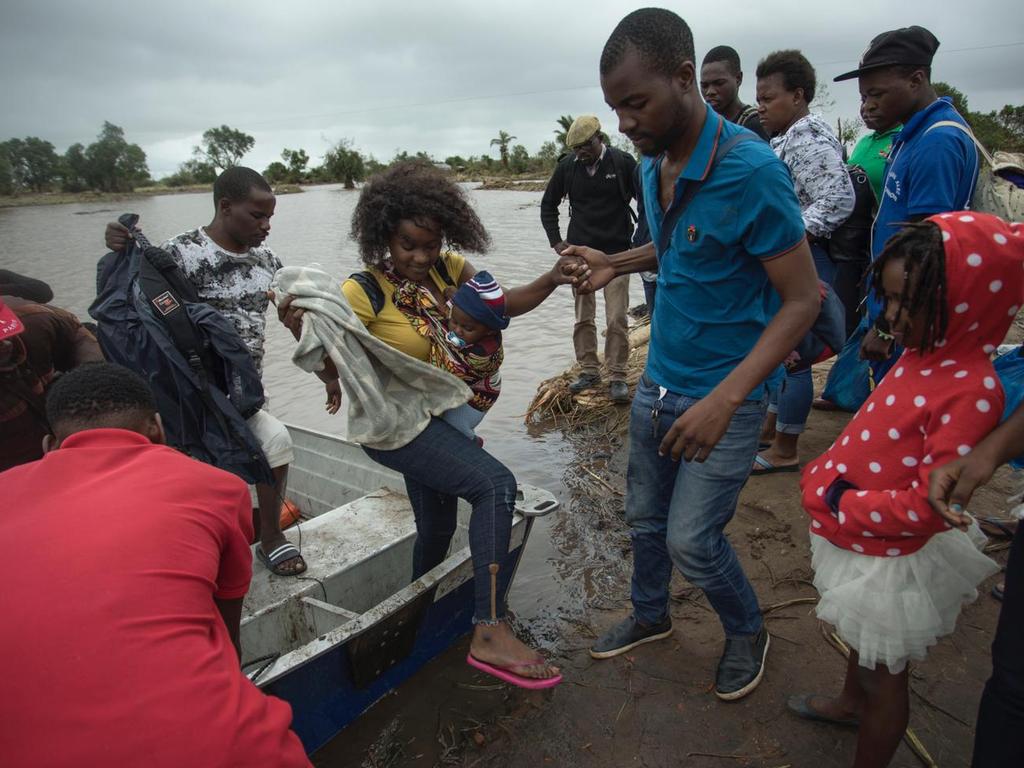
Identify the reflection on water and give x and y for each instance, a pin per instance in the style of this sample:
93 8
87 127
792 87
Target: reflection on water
61 244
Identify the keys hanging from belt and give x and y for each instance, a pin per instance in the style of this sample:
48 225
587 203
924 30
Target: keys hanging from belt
656 410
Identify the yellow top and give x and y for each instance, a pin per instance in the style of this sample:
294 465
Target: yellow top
391 326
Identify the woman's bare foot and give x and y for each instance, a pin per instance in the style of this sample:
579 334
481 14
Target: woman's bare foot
838 708
497 645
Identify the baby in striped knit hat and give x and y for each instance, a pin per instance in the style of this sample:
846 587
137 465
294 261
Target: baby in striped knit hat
472 347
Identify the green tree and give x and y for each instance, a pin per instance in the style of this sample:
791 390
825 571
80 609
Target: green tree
191 172
6 172
74 169
847 131
564 124
112 164
1012 119
224 147
1002 130
277 172
456 161
547 155
343 163
502 142
296 160
519 159
35 165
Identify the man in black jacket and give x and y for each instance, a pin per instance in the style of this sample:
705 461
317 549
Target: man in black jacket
598 180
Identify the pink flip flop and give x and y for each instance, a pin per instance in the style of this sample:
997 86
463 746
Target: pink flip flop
531 683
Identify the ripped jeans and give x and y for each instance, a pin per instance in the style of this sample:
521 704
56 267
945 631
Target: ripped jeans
440 466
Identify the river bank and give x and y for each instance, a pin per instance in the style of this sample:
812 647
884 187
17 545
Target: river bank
63 198
488 183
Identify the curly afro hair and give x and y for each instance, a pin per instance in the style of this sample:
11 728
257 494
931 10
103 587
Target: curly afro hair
795 69
417 191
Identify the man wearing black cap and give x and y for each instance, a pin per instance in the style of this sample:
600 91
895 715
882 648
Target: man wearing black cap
933 164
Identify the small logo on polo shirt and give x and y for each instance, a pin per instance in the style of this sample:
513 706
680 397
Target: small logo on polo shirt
610 176
691 233
166 303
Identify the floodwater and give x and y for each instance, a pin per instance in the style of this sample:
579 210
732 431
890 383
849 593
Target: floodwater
61 244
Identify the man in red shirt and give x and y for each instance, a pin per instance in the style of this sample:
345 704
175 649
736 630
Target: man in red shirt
124 580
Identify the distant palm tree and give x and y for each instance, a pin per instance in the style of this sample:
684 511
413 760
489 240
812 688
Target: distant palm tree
564 124
503 141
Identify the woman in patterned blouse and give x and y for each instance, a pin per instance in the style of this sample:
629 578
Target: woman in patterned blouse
805 143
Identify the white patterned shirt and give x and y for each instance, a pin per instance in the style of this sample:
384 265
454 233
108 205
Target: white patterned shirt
235 284
814 157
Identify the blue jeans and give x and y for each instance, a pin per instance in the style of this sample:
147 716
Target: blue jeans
650 291
678 512
792 400
440 466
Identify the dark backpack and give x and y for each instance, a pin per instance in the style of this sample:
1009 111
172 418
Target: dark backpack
851 241
202 375
375 293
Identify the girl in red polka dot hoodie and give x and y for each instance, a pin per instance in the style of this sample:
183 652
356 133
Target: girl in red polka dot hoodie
892 575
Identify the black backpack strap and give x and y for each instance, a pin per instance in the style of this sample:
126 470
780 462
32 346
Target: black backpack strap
668 225
375 293
622 178
442 271
159 279
371 288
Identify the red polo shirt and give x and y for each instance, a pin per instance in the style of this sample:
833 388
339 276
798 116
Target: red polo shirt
114 549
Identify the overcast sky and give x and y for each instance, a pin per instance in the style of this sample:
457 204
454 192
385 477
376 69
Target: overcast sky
443 76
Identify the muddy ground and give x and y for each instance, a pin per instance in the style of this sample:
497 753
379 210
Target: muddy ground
654 707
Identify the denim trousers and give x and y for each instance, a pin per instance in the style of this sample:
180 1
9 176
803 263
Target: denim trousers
678 511
999 738
440 466
792 401
650 291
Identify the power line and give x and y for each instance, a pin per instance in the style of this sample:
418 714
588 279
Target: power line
520 94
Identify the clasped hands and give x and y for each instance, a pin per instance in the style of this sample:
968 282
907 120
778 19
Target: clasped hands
586 269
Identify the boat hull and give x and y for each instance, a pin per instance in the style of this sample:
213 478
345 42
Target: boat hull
335 642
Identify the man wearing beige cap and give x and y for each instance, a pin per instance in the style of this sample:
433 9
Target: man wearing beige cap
598 180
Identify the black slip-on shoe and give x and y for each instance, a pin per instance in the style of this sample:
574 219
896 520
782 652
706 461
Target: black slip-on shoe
618 392
585 381
742 666
628 634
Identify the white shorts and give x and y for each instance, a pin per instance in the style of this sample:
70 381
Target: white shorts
273 438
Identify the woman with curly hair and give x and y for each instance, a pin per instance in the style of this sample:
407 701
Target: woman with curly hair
410 223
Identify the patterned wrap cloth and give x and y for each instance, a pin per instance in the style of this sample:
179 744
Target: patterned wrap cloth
477 365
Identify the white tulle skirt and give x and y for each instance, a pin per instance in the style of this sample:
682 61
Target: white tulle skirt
892 609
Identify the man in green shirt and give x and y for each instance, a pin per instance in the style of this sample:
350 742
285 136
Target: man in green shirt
872 153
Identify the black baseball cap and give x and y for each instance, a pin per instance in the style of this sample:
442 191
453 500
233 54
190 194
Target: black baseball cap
910 46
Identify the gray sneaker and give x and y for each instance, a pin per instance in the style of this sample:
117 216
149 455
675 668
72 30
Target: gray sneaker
585 381
627 635
742 666
618 391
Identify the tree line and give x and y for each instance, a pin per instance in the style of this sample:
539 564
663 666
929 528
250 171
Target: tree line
112 164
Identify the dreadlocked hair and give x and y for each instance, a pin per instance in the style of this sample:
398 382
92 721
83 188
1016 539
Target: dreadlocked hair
919 246
417 191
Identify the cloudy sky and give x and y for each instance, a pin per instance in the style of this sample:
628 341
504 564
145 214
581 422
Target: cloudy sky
443 76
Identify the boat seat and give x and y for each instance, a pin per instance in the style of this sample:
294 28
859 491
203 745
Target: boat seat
332 543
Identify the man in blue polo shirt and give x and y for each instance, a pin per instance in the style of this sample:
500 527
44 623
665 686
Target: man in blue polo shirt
702 397
932 166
